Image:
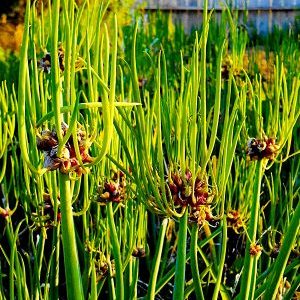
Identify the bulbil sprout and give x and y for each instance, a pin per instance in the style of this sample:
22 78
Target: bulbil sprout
258 149
45 61
47 142
113 190
255 249
201 214
139 252
197 197
235 220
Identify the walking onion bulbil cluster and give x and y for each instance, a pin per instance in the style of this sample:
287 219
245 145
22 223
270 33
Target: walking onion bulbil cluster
113 190
183 192
47 142
258 149
235 220
45 61
255 249
139 252
195 194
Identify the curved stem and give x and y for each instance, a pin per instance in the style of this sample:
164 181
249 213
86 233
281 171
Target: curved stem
23 142
108 104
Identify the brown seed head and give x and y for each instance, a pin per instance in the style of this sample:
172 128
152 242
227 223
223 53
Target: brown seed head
139 252
255 249
258 149
234 220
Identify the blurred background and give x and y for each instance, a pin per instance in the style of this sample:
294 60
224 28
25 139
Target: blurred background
258 16
262 15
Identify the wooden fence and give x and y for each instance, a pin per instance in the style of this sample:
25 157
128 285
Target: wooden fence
238 4
263 15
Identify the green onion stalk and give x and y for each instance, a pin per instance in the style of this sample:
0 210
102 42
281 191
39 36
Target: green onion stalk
59 98
249 278
179 285
282 259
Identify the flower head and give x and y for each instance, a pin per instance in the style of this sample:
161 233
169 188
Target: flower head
67 161
258 149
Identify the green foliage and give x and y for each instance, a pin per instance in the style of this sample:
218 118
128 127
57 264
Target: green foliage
137 161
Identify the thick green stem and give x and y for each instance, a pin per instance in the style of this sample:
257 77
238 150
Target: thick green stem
250 261
157 259
194 262
283 256
178 292
72 268
222 260
116 252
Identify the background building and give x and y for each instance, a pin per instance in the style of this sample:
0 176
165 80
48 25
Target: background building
263 15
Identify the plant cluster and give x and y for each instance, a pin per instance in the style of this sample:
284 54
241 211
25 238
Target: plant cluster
127 164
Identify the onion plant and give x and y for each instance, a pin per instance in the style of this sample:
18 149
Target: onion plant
58 152
141 162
